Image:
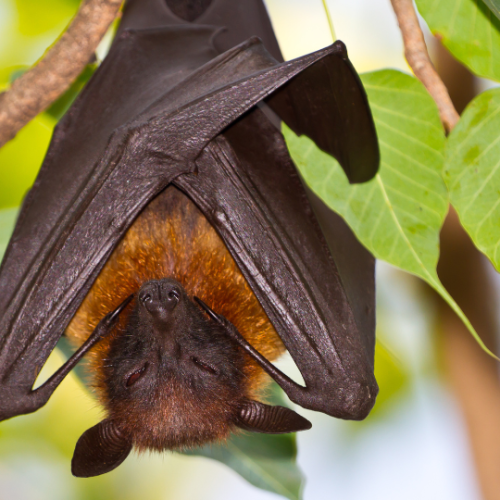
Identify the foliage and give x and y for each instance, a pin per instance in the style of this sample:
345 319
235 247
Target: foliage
7 221
469 30
36 18
398 214
472 172
25 151
494 5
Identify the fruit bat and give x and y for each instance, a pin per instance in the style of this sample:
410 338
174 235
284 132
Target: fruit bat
179 129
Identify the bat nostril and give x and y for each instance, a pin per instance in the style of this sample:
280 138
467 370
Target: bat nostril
149 293
173 296
146 298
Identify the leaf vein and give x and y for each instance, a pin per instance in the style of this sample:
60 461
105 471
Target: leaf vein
406 117
409 138
412 181
481 188
410 159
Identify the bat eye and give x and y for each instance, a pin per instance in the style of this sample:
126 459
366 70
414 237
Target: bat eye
203 366
135 376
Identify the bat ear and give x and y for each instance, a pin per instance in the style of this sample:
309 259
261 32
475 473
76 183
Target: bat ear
100 449
259 417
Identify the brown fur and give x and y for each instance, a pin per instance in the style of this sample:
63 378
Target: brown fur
171 238
177 420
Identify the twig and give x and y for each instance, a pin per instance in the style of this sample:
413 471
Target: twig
418 58
330 22
39 87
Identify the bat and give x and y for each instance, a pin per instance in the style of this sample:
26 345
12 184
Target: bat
180 108
169 377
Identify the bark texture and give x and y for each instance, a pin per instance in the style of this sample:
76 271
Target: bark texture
39 87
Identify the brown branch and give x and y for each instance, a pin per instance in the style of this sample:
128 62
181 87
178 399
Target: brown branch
39 87
418 58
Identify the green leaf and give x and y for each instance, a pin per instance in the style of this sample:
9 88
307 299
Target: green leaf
36 17
392 376
20 160
7 220
472 172
494 6
469 30
264 460
398 214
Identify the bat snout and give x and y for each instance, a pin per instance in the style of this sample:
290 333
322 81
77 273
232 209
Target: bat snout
160 298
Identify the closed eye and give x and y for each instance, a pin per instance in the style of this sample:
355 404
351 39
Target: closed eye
135 376
204 366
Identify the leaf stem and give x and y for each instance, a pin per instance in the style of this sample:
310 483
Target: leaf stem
456 309
330 21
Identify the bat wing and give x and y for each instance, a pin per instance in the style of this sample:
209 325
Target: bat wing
241 19
302 104
248 188
153 115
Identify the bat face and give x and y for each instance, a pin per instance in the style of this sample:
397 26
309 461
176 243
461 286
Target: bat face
174 379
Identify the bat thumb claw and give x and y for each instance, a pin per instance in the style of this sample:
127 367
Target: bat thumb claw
209 311
113 316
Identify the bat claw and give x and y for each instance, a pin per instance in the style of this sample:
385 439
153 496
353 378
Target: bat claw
113 316
231 330
216 317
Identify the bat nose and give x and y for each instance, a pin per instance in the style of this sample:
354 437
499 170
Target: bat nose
160 297
170 293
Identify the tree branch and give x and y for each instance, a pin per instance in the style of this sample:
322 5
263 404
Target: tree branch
39 87
418 58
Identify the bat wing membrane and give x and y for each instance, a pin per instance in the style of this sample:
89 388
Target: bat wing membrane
102 169
248 188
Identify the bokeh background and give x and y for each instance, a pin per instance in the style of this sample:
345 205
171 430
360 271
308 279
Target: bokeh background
413 445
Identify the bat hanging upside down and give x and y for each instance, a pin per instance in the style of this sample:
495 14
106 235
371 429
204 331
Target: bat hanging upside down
169 375
169 198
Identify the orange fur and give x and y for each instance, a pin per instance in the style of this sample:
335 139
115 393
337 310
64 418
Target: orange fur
171 238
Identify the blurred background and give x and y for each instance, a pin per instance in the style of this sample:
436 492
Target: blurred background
424 438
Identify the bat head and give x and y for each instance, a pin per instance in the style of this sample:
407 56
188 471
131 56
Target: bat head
174 380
